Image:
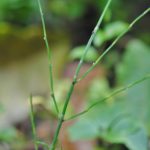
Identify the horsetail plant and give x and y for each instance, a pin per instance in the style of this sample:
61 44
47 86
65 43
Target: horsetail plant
76 79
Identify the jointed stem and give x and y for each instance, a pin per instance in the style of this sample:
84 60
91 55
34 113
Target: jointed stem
61 119
92 37
75 78
49 57
113 43
54 142
110 96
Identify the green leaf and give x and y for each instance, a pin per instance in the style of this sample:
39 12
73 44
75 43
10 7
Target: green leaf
87 130
100 38
136 62
135 65
114 29
124 118
127 131
77 53
137 141
111 31
90 125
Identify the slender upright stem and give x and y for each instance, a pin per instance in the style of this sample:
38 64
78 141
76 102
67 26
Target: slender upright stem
33 123
92 37
61 119
52 89
49 57
62 115
114 42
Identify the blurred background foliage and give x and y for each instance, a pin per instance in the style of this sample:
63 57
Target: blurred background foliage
17 11
123 122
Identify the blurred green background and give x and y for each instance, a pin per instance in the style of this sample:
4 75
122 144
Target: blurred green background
121 123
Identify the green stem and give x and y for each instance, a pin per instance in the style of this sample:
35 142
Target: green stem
92 37
113 43
49 57
110 96
61 120
42 143
52 88
33 123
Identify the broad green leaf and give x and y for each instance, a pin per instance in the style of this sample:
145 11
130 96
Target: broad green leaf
126 130
77 53
83 130
137 140
97 119
123 118
135 65
136 62
98 88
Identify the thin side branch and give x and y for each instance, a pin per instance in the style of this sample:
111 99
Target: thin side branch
114 42
91 38
110 96
49 57
33 123
68 97
42 143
